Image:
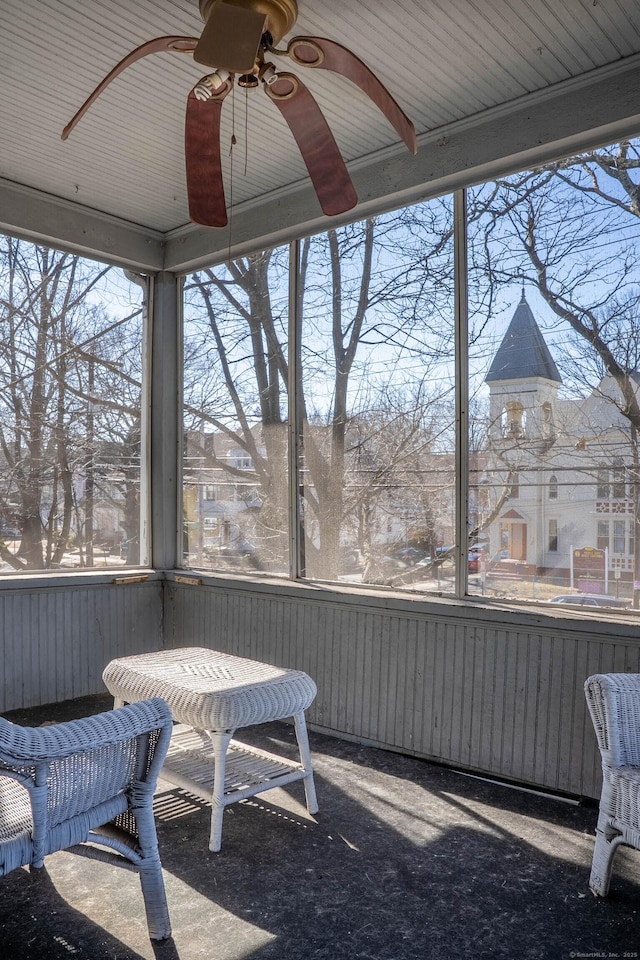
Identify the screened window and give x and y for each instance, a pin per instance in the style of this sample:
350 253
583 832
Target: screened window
554 345
72 492
376 400
369 349
235 434
326 423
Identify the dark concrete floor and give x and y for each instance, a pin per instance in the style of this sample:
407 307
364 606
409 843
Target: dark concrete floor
406 859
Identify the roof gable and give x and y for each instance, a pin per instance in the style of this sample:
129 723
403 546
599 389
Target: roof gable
523 353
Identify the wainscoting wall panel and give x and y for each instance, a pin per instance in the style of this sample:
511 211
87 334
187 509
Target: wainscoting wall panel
58 638
482 688
487 690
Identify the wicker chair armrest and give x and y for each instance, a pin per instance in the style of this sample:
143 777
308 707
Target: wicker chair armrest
614 704
22 747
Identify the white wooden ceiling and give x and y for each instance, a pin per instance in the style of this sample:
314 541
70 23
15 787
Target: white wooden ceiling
445 61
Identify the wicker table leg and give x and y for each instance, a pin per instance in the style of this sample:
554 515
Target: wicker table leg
220 741
305 758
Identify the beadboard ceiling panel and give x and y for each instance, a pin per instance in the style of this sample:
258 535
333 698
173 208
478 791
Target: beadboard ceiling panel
443 60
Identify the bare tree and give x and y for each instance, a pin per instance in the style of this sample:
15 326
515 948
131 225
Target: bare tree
367 294
51 371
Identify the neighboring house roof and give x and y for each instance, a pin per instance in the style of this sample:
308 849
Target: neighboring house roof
512 515
523 353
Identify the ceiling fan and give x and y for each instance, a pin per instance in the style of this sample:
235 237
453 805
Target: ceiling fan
237 41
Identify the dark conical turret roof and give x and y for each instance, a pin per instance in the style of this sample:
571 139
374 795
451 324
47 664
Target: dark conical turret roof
523 353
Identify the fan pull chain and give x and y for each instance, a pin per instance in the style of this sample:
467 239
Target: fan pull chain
246 129
233 143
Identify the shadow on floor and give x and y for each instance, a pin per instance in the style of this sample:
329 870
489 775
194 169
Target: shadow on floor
36 921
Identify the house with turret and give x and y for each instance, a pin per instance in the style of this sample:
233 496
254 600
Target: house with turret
560 471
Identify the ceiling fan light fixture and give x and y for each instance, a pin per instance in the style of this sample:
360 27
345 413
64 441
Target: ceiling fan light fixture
211 85
267 73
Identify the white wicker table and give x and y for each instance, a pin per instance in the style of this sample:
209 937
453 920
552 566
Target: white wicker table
211 695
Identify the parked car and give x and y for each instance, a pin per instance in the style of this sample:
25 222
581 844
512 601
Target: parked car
479 547
352 561
590 600
473 561
10 534
409 554
443 551
237 553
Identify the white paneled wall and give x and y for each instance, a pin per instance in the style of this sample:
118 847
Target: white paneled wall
491 691
451 682
56 640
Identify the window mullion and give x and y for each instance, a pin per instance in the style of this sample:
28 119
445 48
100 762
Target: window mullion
296 533
462 390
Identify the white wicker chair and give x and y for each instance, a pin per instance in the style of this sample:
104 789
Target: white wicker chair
85 782
614 705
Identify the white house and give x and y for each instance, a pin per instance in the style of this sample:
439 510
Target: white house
564 467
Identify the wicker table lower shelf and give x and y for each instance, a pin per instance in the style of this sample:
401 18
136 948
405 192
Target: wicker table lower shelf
190 764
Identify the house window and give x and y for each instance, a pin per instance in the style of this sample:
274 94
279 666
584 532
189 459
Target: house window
241 461
618 477
553 535
619 536
603 535
553 487
603 491
514 490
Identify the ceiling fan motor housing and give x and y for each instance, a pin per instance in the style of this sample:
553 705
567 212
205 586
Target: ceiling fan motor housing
281 14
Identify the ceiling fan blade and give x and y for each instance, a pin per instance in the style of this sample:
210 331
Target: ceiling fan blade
318 147
328 55
231 38
205 186
159 45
